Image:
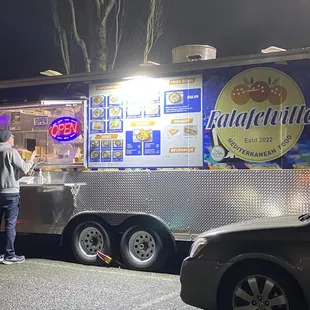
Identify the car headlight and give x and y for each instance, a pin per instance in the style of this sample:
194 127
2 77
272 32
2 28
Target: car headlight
197 246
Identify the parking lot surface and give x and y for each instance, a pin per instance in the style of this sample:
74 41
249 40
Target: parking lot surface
47 284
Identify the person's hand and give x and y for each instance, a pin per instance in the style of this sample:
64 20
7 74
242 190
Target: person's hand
33 155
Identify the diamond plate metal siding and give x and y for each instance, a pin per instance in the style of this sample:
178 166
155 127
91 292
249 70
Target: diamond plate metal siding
196 201
121 192
190 201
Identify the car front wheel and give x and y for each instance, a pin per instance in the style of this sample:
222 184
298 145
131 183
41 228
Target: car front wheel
260 289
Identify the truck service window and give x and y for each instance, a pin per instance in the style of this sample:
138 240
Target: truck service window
54 131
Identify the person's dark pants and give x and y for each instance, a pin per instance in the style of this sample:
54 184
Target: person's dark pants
9 207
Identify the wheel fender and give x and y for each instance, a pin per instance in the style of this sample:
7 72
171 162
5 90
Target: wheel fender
261 256
79 218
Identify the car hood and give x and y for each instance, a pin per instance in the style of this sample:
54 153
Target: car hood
257 224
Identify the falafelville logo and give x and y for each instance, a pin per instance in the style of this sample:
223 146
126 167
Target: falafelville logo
259 115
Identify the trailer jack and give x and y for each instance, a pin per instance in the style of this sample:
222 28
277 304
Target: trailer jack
108 260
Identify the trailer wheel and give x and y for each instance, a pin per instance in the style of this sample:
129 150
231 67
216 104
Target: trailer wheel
87 239
142 249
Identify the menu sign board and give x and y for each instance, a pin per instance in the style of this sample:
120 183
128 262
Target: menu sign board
146 123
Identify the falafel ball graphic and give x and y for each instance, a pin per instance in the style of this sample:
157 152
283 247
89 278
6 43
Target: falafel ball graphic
240 94
260 91
278 95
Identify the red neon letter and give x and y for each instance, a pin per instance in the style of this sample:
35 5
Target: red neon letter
67 129
54 131
61 128
74 127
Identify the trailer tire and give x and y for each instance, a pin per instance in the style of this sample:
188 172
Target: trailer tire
87 239
142 249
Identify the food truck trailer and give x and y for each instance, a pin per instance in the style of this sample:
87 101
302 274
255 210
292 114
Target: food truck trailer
131 161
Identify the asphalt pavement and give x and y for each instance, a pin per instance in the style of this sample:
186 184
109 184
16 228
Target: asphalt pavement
55 285
50 280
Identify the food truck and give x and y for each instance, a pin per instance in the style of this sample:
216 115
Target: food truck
129 162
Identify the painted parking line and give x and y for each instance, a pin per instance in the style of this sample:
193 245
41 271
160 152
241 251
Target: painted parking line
112 271
156 301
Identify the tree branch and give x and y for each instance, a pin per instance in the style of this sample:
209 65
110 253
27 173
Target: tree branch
77 38
118 5
123 19
159 20
155 25
119 28
149 31
108 10
64 47
98 9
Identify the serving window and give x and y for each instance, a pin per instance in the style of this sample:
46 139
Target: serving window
54 130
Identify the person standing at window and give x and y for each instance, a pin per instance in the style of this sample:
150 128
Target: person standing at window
12 169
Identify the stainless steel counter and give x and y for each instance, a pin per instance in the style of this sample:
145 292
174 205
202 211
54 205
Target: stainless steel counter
53 184
45 208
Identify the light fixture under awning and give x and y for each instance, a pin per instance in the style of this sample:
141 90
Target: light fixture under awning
50 73
60 102
273 49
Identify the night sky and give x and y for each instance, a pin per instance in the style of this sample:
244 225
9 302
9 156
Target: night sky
234 27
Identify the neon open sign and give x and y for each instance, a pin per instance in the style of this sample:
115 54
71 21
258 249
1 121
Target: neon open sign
65 129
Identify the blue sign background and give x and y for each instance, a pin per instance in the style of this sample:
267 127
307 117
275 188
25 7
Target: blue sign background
214 82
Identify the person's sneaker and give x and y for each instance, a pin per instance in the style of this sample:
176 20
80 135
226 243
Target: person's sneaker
14 260
1 258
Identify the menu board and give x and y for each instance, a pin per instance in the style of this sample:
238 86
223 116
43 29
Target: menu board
143 123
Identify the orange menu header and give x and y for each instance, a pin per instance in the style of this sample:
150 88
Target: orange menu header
182 81
107 87
182 121
107 136
142 123
182 150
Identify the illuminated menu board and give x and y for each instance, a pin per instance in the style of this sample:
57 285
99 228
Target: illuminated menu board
146 123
